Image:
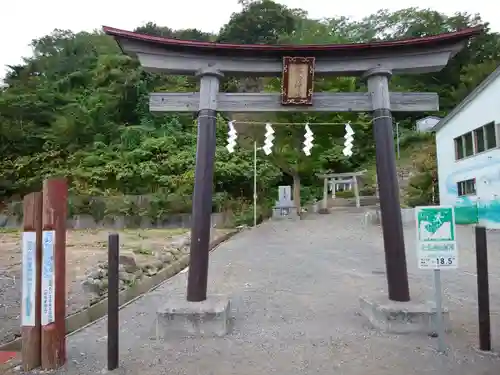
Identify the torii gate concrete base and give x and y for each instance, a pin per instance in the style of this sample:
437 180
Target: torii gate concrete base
180 318
402 317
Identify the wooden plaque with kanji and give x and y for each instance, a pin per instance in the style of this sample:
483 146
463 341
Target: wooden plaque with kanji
297 82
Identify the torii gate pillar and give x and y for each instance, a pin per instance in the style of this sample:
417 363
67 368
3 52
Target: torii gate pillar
392 225
202 197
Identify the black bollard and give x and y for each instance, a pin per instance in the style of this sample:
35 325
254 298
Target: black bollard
113 289
483 294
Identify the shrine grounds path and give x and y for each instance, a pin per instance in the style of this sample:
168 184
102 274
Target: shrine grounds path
295 288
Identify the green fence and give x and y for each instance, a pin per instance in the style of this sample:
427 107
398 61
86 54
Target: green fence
466 214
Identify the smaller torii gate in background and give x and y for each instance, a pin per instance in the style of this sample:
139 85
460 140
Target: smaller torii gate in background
340 178
298 65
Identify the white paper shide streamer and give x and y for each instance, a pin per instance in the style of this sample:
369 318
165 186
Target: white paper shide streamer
348 140
232 135
308 140
268 142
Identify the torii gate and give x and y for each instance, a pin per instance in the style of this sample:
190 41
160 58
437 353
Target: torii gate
348 177
375 62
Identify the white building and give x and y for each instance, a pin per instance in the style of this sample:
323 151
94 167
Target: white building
468 156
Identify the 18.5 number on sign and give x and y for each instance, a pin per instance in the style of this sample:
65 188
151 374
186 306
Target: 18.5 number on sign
443 262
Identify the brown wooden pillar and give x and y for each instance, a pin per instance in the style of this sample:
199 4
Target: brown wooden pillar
392 226
31 279
202 198
55 196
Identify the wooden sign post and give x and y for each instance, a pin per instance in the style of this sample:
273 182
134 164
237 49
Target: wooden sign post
375 62
53 295
31 279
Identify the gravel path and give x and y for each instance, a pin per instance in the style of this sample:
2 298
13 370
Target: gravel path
10 304
295 289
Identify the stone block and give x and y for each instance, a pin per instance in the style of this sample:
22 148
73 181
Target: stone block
128 263
402 317
408 216
285 213
180 318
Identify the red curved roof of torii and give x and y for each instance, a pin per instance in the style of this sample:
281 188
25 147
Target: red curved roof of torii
196 46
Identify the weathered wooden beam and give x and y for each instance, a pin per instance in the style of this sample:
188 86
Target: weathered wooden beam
410 61
271 102
350 181
346 174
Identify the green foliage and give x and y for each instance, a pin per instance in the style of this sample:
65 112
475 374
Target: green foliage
423 185
344 194
79 108
411 137
260 22
310 194
368 191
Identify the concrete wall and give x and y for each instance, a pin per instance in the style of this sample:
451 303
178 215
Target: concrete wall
219 220
484 167
374 216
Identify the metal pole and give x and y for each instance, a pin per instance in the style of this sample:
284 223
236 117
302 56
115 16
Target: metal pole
113 301
202 197
439 311
483 294
254 183
392 225
397 138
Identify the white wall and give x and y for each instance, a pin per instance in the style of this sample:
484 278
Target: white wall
483 109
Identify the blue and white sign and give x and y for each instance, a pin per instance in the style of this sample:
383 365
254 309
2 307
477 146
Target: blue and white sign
29 279
48 277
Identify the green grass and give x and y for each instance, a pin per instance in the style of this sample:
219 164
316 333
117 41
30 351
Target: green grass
172 232
10 230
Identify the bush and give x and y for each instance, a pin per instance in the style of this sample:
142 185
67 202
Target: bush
243 212
412 137
309 194
367 191
423 185
345 194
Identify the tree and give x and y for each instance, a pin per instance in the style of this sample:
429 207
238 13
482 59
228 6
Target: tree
260 22
151 28
79 108
423 186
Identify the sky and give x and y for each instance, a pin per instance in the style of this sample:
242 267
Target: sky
31 19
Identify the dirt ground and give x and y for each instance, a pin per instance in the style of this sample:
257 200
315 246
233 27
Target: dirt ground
85 249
